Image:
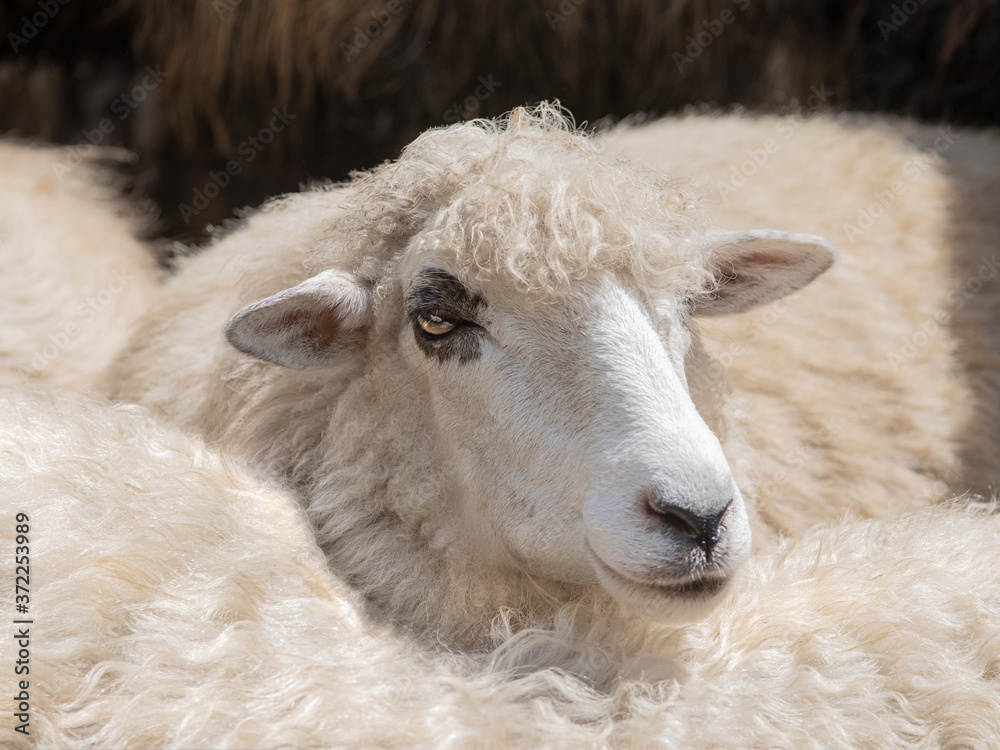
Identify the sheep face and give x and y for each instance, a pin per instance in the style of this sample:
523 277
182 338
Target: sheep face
572 442
560 432
518 304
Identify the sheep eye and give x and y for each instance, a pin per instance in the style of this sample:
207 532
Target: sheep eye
436 325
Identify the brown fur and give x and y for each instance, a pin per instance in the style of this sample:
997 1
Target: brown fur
229 62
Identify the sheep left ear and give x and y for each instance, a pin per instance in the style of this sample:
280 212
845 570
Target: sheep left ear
758 266
316 324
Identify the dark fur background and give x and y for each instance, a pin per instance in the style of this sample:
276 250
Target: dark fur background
358 79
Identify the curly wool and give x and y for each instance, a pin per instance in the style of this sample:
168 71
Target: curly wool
529 198
180 602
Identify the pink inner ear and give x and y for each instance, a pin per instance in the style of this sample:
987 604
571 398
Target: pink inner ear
319 326
326 326
766 259
749 262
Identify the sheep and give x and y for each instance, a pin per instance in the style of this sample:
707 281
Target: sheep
74 276
178 601
470 367
804 452
879 387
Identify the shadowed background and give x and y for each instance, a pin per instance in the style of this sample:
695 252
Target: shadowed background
195 88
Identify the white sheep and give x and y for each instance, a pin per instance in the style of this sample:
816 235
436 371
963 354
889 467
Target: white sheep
178 602
74 276
470 366
473 365
543 458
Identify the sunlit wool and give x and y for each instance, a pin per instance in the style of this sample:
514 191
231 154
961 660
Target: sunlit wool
179 602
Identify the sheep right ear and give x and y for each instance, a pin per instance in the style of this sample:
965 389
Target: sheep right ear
316 324
758 266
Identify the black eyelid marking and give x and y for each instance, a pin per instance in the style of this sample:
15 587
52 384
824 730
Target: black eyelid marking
438 289
437 292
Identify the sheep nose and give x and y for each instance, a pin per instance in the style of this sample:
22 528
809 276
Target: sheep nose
703 529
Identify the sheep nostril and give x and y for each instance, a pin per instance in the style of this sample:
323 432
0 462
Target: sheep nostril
674 517
705 530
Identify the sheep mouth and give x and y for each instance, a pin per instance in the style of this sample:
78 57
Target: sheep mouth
693 589
696 588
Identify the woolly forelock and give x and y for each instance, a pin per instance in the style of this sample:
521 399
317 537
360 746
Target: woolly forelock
528 197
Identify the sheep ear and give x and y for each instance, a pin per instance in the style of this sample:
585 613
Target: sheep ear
758 266
315 324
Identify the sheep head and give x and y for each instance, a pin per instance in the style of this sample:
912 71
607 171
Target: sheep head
521 303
